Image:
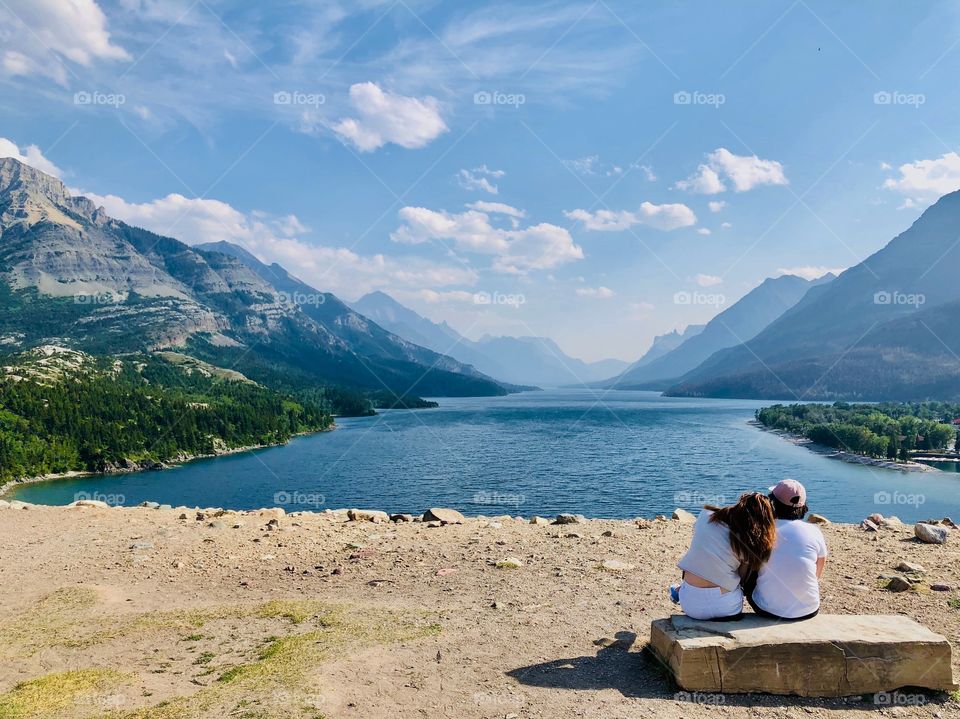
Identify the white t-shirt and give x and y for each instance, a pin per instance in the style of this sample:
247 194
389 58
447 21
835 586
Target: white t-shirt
787 584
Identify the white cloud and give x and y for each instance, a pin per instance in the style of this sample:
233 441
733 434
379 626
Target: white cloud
726 225
707 280
925 180
516 250
810 272
434 297
601 293
385 117
591 165
497 208
703 231
716 205
744 171
56 30
31 155
479 178
661 217
274 239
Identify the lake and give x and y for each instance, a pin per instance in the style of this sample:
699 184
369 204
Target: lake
614 454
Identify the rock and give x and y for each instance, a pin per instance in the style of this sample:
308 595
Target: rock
940 587
165 506
683 516
604 642
608 533
183 515
444 516
238 525
817 519
910 568
539 520
433 525
401 517
142 545
898 584
96 503
275 512
615 565
217 524
828 656
149 505
446 571
869 525
931 534
892 521
568 519
509 563
573 535
273 525
367 515
877 519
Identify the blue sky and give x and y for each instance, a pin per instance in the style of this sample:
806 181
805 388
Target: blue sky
594 172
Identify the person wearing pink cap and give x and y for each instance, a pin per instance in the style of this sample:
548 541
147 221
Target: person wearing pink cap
787 586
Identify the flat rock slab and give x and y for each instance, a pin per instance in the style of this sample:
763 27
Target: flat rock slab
827 656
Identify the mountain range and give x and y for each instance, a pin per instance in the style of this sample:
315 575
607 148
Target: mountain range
71 275
518 360
734 326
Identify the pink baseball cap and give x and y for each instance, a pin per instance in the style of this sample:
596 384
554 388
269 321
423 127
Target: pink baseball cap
790 492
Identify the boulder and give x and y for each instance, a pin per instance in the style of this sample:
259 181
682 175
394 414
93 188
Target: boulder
930 533
367 515
568 519
444 516
615 565
401 517
275 512
539 520
827 656
910 568
898 584
509 563
683 516
90 503
817 519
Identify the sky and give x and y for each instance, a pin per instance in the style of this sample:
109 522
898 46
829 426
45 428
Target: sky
594 172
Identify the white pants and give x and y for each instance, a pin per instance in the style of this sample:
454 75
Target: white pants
710 603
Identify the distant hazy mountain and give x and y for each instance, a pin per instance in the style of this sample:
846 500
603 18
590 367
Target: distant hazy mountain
884 329
517 360
735 325
70 273
666 343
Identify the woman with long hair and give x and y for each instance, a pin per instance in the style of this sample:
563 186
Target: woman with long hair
729 543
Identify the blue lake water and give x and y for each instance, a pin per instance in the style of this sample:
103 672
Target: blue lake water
613 454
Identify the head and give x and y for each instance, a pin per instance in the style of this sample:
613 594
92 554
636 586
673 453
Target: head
753 529
789 499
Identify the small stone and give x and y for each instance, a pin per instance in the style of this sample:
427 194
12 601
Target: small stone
539 520
509 563
573 535
608 533
401 517
615 565
931 534
898 584
217 524
446 571
604 642
433 525
238 525
142 545
149 505
683 516
568 519
177 564
183 515
940 587
444 516
910 568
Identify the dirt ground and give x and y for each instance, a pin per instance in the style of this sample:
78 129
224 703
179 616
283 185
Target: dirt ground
137 613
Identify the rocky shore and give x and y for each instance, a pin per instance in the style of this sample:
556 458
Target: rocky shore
161 613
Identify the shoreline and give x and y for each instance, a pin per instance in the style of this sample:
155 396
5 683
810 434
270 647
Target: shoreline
841 455
12 484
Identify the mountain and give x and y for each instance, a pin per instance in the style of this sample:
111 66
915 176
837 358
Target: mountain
734 326
666 343
70 273
884 329
517 360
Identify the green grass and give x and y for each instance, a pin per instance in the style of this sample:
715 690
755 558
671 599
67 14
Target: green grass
53 694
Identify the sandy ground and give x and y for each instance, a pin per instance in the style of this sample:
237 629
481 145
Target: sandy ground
139 613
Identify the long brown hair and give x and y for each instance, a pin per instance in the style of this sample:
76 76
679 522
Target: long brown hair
753 529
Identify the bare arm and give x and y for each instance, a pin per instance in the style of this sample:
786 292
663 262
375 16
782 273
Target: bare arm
821 562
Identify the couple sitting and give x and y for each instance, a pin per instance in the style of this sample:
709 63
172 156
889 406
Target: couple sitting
758 549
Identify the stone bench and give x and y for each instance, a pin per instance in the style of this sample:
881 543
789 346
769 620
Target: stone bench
827 656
